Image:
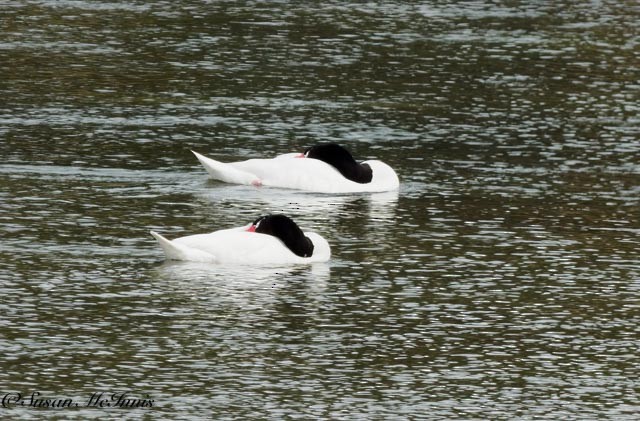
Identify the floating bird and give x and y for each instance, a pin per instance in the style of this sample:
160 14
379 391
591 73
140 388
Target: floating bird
270 239
325 168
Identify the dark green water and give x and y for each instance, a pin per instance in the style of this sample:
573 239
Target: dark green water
502 281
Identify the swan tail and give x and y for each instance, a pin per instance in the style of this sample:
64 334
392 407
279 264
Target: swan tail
174 251
227 172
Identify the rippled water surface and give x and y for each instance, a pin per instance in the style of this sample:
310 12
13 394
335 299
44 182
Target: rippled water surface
502 281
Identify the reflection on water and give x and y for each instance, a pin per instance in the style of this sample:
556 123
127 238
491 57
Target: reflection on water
501 280
245 287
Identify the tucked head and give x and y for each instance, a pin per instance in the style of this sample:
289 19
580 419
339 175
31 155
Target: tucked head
340 158
283 228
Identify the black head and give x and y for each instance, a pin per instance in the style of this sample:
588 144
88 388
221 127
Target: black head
283 228
340 158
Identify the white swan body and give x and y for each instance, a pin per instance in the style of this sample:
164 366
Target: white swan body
293 172
239 246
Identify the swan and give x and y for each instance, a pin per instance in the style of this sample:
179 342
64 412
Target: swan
324 168
270 239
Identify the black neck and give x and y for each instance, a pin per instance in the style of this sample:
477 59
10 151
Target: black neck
340 159
283 228
360 173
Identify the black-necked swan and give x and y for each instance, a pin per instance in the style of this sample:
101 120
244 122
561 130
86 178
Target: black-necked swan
270 239
325 168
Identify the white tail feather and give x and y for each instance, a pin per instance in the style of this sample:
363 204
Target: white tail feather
226 172
175 251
